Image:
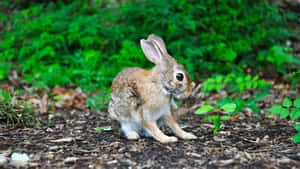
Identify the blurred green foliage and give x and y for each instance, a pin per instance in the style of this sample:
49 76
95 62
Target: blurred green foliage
88 42
237 82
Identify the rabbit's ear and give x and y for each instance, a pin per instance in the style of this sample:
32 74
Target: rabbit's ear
151 51
159 42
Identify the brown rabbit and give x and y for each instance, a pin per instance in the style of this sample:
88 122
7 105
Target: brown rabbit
140 98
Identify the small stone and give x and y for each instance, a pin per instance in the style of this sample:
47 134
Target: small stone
3 159
70 159
248 155
193 154
219 139
226 162
33 164
19 160
284 160
115 144
112 162
265 139
53 148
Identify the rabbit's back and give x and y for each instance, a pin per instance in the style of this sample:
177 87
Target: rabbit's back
126 78
125 98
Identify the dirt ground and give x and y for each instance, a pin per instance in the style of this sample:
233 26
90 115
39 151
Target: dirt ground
72 141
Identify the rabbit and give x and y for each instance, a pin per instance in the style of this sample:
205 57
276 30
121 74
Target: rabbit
141 98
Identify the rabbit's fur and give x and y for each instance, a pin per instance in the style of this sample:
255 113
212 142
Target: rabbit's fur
140 98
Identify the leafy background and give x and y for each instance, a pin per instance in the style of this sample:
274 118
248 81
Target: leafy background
88 42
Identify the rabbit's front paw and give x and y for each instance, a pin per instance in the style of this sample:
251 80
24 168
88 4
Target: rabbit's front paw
133 135
189 136
168 139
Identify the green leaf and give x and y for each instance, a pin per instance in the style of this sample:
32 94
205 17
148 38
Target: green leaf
3 75
5 96
58 98
230 55
275 109
296 138
224 101
248 77
219 79
254 108
210 118
219 87
255 78
297 126
204 109
3 16
225 117
287 102
297 103
229 107
284 113
295 114
108 128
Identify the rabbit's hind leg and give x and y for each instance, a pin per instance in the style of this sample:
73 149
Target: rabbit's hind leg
157 134
170 121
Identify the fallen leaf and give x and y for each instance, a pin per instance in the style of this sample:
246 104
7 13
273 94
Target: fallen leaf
58 90
44 104
273 116
252 148
67 139
226 162
236 117
217 96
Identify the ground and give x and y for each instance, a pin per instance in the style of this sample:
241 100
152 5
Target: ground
70 138
72 141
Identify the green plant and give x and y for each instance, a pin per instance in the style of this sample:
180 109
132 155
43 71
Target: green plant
288 108
96 39
15 113
3 70
295 78
278 56
296 137
229 107
242 104
234 81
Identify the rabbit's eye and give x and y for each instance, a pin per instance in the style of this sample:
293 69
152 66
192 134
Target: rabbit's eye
179 76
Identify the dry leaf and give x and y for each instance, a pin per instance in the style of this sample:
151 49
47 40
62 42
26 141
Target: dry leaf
67 139
44 104
236 117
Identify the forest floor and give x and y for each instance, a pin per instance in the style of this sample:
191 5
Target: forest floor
70 139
